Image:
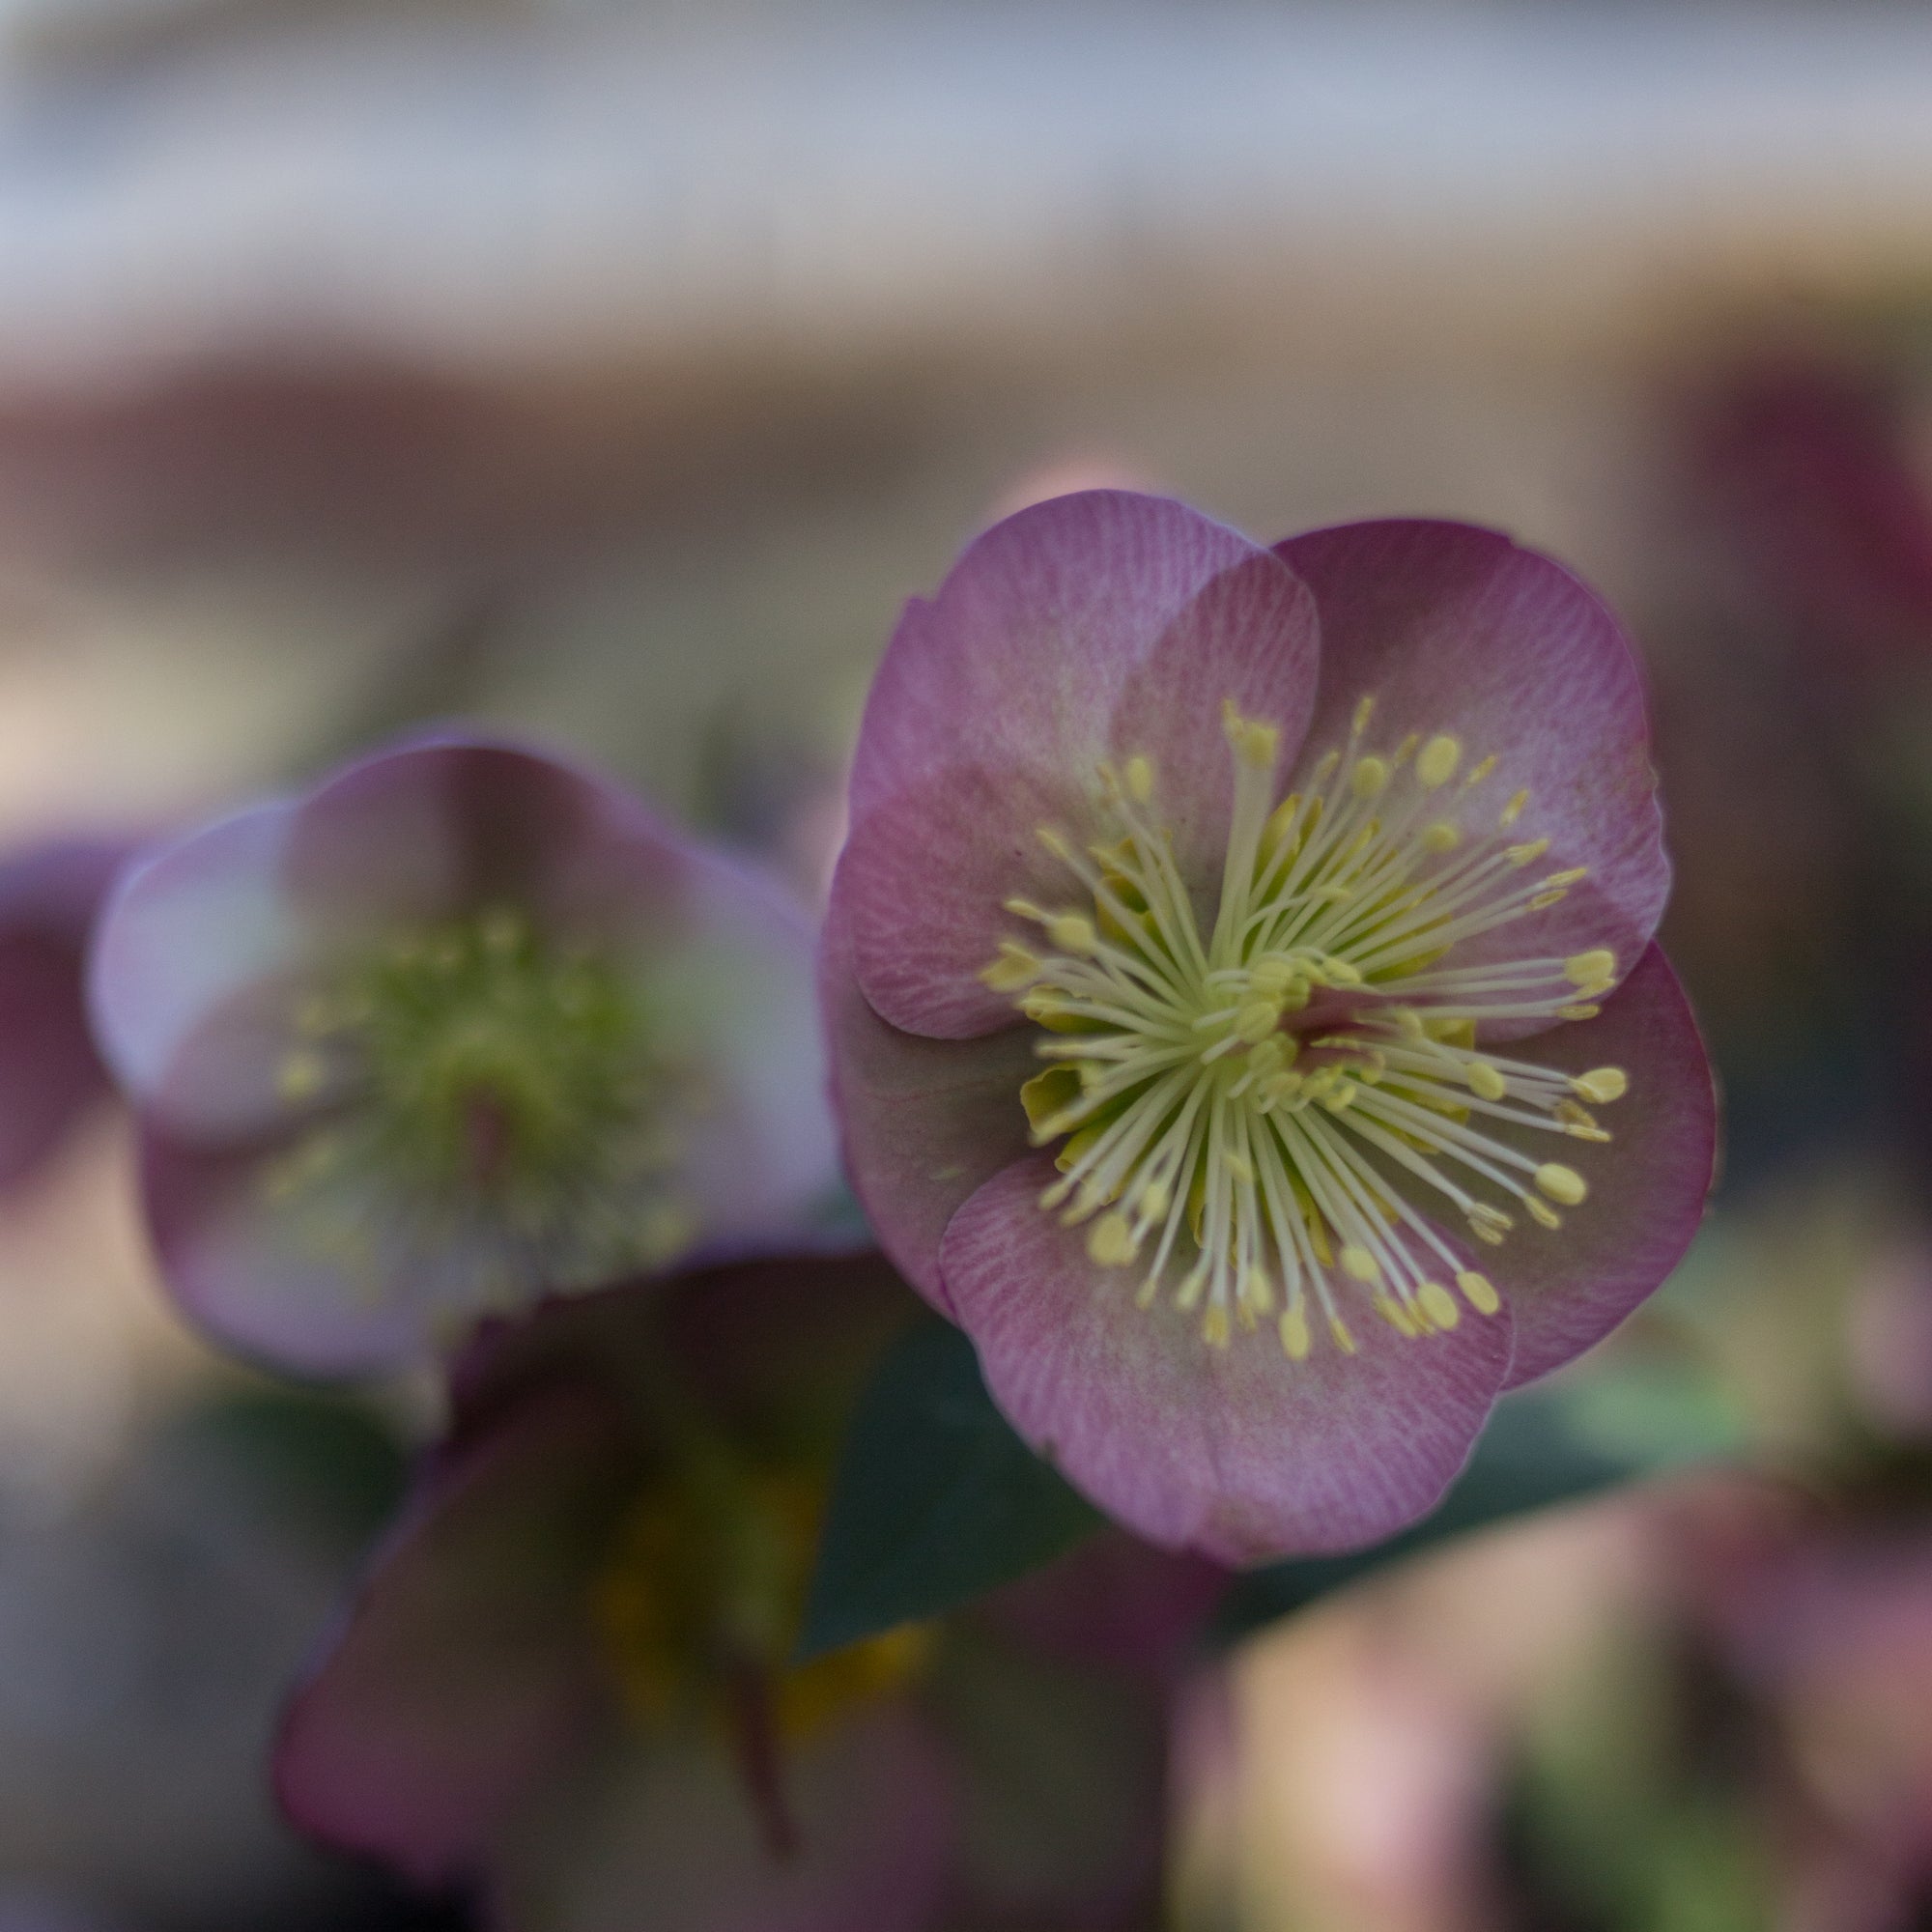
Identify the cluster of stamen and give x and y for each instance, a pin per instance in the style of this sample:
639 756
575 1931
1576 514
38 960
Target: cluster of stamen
488 1105
1251 1113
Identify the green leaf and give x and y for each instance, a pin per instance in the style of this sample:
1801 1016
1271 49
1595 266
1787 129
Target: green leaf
936 1498
1540 1448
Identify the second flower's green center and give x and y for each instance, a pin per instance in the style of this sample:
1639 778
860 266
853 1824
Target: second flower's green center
487 1090
1268 1116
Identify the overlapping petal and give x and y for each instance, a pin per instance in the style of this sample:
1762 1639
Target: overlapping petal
195 972
444 826
1236 1453
465 1670
1648 1185
1455 629
1058 641
925 1122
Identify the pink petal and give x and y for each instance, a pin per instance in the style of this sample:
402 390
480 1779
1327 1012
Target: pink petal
1114 1601
1064 1773
442 826
1457 630
465 1672
1236 1453
728 983
748 1338
925 1121
1648 1186
1092 627
661 1835
50 1070
196 968
248 1276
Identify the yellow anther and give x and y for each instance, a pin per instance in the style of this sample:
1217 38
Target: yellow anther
1339 1097
1258 1290
1542 1213
1542 902
1600 1085
1513 811
1361 1263
1528 853
1478 1293
1436 765
1278 1088
1481 772
1370 778
1078 1145
1050 1094
1339 1330
1339 972
1365 709
1214 1326
1013 969
1239 1166
1073 932
1484 1082
1054 840
1280 823
1571 877
1587 969
1089 1197
1156 1199
1406 1020
1395 1315
1111 1242
1561 1183
1255 742
302 1076
1046 1006
1140 780
1439 1304
1441 836
1294 1338
1270 1055
1255 1020
1272 976
1587 1013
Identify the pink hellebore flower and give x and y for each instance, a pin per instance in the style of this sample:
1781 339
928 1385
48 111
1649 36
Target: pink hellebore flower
1232 961
567 1683
461 1026
50 1071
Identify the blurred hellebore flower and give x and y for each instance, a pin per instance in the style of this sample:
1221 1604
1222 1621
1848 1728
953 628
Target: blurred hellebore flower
569 1679
1808 468
1229 962
50 1073
458 1027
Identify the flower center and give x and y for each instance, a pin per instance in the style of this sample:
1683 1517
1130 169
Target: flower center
494 1096
1250 1114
